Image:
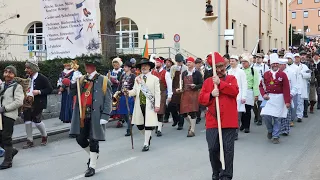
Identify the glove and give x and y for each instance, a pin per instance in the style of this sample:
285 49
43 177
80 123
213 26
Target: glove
102 121
2 109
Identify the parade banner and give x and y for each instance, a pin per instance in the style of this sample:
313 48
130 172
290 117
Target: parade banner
70 28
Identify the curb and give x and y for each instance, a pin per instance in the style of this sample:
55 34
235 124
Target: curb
38 135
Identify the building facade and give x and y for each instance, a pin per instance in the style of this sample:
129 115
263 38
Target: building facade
169 17
304 16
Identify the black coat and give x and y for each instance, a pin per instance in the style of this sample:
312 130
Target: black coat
197 79
41 83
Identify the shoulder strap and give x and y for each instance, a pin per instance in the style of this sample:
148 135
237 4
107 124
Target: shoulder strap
14 89
252 71
104 85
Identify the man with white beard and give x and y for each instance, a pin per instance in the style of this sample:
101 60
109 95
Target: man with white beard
292 77
240 75
303 77
275 89
261 68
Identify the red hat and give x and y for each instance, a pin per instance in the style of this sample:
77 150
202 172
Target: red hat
217 59
159 60
191 59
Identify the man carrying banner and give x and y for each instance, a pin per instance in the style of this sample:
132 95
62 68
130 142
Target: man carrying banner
227 92
94 99
165 85
146 89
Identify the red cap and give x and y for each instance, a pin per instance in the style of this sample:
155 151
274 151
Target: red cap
191 59
217 57
159 60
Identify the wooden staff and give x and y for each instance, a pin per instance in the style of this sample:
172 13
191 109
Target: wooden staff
130 118
79 97
218 116
1 122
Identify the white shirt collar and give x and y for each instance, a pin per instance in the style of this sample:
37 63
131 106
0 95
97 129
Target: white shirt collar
192 71
35 76
146 74
92 74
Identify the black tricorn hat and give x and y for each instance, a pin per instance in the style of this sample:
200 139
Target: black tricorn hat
145 61
93 61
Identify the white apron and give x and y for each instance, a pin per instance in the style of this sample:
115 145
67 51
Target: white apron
241 107
250 97
275 106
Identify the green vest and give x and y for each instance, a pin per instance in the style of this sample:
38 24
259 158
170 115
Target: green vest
141 95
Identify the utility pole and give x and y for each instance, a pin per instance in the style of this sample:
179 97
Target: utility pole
227 24
287 47
260 34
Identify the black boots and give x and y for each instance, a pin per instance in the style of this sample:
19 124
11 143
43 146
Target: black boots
90 172
128 133
10 152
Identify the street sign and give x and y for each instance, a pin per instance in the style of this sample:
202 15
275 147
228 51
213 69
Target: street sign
176 38
177 46
229 34
154 36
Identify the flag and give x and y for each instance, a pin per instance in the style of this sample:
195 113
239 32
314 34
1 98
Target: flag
255 49
145 53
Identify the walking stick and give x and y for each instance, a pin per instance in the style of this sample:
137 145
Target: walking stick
1 122
130 118
218 117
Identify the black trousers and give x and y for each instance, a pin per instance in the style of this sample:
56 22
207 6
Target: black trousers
142 127
173 108
193 115
6 132
84 139
160 117
228 136
305 107
257 111
246 117
167 114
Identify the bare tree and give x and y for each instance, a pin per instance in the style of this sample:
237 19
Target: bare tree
108 29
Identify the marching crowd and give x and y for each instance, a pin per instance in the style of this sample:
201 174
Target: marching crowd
280 87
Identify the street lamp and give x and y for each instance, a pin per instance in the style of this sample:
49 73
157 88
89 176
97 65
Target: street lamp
209 18
11 17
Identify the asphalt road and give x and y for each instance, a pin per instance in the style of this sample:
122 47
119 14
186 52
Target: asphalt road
175 157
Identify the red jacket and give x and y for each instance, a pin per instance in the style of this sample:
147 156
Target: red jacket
280 85
228 91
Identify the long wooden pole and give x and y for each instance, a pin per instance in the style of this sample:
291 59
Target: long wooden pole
130 119
227 24
1 122
218 117
79 97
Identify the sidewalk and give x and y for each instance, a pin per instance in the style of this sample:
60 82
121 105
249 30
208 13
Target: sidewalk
53 126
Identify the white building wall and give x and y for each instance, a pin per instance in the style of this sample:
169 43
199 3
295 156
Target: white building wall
171 17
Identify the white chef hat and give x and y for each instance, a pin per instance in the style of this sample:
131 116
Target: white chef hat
235 57
274 58
288 55
283 61
296 55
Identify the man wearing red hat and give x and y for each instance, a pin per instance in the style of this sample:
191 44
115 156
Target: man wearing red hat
165 85
227 92
190 86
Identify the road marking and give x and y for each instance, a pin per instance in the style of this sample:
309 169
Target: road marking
105 168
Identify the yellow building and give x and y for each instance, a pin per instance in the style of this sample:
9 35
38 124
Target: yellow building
169 17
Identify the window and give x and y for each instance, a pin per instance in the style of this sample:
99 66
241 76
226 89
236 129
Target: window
293 15
244 37
36 40
233 26
318 27
306 29
294 28
305 14
281 12
319 13
276 9
128 34
316 1
299 1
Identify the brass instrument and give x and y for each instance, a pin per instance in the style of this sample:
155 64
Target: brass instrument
115 100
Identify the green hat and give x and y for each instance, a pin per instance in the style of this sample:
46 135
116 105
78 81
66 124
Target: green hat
93 61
